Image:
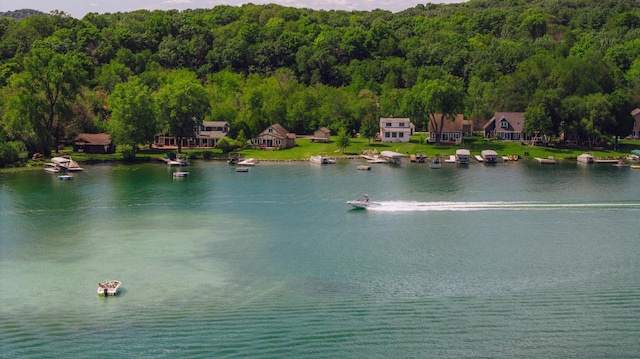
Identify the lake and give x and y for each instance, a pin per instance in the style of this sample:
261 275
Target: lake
513 260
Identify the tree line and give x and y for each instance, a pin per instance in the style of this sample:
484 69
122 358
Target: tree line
572 67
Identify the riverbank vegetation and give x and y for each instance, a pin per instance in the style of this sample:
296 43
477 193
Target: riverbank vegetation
572 67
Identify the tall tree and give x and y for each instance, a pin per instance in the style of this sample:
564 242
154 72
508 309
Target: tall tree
133 117
47 89
441 98
369 128
182 105
343 139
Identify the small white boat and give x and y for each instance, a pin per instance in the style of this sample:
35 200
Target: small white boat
248 162
364 202
451 159
620 164
435 164
65 177
109 287
242 169
178 161
364 168
322 159
53 168
67 163
180 174
478 158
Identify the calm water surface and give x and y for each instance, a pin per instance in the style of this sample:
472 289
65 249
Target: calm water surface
516 260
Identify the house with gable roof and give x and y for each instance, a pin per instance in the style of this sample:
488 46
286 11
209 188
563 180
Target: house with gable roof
274 136
396 129
206 135
93 143
508 126
452 130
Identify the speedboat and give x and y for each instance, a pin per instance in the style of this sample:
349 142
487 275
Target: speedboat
109 287
364 202
435 164
67 163
620 164
248 162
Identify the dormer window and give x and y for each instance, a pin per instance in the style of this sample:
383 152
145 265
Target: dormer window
504 123
401 124
388 124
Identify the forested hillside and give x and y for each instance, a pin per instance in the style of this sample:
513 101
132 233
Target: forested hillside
572 66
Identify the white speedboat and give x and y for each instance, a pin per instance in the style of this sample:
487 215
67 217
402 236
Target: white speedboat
67 163
364 202
109 287
248 162
435 164
65 177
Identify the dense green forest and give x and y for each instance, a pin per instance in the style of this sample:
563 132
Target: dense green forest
572 66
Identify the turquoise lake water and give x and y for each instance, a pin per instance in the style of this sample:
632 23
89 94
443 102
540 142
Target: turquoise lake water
515 260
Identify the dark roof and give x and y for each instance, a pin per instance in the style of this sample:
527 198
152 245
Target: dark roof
515 119
452 126
94 138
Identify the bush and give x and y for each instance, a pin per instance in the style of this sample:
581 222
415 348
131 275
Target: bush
128 155
13 153
207 155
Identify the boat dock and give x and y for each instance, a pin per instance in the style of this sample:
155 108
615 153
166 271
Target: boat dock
606 161
546 161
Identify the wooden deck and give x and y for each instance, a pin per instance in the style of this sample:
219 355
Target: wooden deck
546 161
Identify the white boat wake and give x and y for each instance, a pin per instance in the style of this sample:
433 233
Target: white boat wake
400 206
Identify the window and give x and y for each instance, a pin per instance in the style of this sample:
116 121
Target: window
401 124
388 124
401 135
504 123
270 130
386 134
394 134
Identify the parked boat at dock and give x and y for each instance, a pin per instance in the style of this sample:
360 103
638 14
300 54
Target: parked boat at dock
67 163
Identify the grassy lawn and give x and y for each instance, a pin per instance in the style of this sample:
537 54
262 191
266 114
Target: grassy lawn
305 148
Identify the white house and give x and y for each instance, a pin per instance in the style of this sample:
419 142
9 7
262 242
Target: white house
207 135
396 129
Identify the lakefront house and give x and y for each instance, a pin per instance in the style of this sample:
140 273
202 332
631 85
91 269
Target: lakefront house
452 131
207 135
274 137
396 129
508 126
